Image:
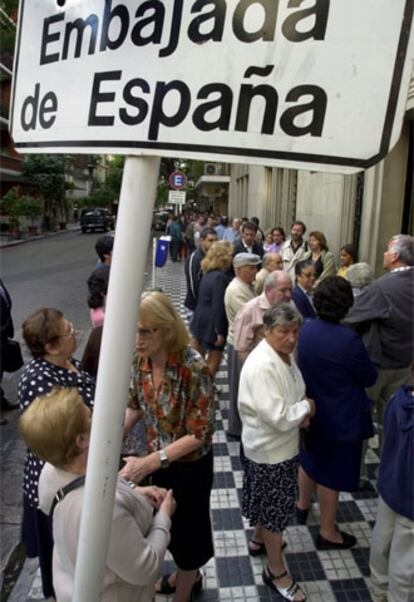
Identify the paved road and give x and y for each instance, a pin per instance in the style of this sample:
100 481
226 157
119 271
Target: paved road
51 272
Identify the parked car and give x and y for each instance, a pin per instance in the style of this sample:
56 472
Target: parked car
96 218
159 220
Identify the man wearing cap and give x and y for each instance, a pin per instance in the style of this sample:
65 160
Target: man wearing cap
248 325
238 293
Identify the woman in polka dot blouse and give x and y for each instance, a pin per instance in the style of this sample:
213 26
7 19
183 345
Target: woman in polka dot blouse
51 340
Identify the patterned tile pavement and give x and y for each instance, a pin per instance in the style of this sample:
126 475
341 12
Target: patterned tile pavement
232 575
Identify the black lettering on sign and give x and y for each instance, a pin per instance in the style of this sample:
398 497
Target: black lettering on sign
33 105
135 101
217 15
316 107
320 11
266 32
120 12
248 92
175 29
79 26
100 97
158 115
48 38
156 20
224 102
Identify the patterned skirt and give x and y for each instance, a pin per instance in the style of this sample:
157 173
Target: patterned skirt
270 493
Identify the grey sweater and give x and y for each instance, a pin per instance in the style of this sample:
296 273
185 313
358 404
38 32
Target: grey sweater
137 545
384 315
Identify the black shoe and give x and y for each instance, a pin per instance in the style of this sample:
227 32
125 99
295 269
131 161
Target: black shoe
348 541
233 437
5 405
301 515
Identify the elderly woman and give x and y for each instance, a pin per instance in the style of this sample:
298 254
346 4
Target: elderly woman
321 257
273 407
337 369
271 263
359 276
209 323
56 428
172 386
51 341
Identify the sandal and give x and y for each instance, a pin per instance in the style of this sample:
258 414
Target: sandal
165 586
167 589
287 593
261 549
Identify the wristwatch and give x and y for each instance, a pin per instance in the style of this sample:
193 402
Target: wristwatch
164 458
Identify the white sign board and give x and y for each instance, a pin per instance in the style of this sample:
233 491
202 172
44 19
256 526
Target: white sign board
279 82
177 197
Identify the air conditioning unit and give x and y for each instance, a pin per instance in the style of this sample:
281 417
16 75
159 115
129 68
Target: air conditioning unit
211 169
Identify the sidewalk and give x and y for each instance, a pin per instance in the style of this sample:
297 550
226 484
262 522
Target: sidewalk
232 575
6 241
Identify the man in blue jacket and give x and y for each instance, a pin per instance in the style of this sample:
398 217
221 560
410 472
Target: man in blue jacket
392 545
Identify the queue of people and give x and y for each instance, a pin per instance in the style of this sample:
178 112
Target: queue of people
303 358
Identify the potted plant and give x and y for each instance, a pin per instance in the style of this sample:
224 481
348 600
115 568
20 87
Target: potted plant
32 210
11 205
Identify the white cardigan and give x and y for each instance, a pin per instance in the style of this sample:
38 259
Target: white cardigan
271 405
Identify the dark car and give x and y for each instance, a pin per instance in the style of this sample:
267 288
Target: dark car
96 218
159 220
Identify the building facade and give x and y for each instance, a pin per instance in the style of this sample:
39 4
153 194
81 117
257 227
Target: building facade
365 209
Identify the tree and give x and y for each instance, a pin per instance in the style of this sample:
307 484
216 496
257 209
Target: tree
8 17
46 175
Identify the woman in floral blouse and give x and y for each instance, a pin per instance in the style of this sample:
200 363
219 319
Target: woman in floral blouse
171 386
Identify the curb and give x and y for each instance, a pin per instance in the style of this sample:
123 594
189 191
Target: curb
13 243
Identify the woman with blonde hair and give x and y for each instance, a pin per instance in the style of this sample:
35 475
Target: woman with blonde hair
320 255
209 323
171 385
56 428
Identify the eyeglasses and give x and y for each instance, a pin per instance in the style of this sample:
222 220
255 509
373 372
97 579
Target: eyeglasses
308 276
70 332
146 333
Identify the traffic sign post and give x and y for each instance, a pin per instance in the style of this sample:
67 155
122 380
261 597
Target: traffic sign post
177 197
177 180
133 230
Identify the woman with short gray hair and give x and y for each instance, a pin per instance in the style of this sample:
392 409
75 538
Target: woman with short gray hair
273 407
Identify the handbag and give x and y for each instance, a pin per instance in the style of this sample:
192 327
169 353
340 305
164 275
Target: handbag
12 359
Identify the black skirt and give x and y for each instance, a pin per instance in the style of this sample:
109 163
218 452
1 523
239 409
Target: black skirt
269 493
191 542
37 536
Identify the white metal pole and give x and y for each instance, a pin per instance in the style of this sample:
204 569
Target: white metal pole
154 250
133 230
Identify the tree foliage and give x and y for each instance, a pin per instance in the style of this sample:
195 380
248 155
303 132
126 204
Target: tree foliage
46 176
